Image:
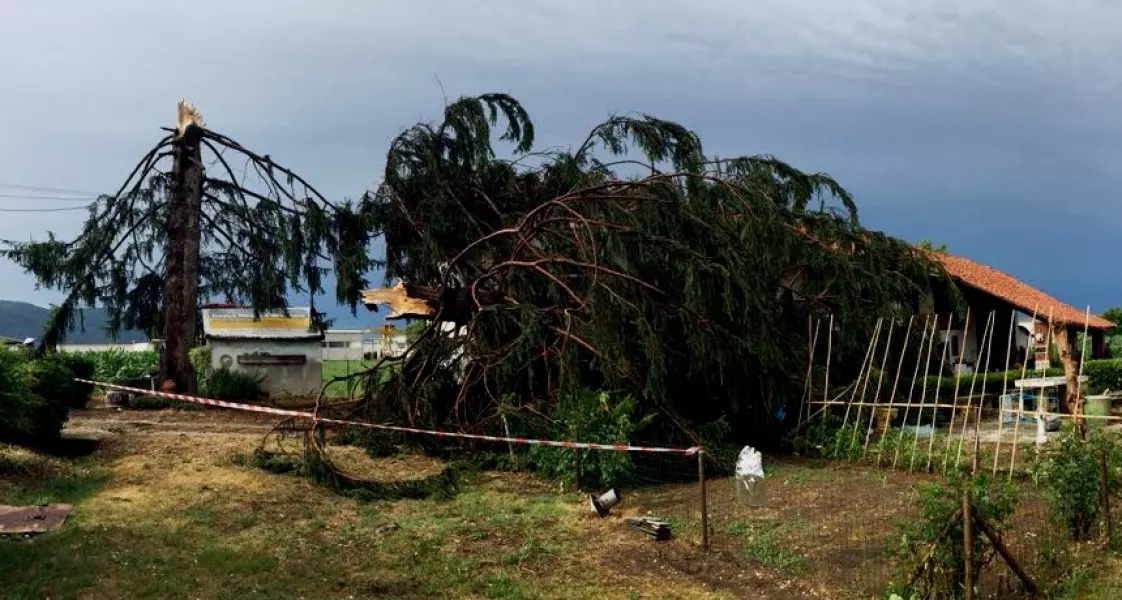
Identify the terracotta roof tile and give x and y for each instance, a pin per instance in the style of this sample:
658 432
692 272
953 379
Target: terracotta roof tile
1019 294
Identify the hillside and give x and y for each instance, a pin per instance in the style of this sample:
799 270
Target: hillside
22 320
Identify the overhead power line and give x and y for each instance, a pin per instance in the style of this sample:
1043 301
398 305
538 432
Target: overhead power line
50 198
39 210
49 190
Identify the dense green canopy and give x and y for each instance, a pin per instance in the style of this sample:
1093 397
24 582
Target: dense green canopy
632 263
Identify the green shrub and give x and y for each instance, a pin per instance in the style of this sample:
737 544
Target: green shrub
1068 468
224 384
1103 375
200 360
590 416
993 500
82 367
992 383
116 365
33 405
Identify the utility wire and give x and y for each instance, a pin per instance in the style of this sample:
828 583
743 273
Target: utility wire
50 198
50 190
39 210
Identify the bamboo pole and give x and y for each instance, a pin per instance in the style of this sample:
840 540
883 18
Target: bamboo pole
1081 404
912 387
923 390
1104 498
876 394
967 543
957 381
865 365
982 399
899 404
703 499
829 354
942 361
1004 389
809 367
895 385
1020 395
1041 426
987 338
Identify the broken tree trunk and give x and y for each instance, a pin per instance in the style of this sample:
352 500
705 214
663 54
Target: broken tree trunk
412 301
402 304
1073 404
181 271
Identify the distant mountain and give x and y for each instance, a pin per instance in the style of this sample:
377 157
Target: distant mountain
23 320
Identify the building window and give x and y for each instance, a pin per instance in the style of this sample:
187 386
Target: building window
954 345
336 344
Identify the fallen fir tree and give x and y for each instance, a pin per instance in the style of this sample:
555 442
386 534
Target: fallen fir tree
632 263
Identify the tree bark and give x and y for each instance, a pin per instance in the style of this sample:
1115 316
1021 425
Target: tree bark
181 275
1065 343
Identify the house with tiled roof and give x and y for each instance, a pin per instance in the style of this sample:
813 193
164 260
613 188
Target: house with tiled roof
1013 303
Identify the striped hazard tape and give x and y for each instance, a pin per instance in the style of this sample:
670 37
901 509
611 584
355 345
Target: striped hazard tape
470 436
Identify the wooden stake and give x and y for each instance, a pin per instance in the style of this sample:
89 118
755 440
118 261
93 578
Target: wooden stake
1080 403
866 366
895 384
957 380
1004 388
880 380
987 346
1041 401
809 368
704 503
942 361
967 543
1104 497
829 353
1021 395
999 546
911 389
576 469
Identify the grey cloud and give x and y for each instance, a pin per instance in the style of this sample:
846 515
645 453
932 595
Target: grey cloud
932 105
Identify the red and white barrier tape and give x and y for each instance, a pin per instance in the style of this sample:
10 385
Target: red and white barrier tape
470 436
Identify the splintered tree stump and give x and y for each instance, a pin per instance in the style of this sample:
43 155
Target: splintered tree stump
401 303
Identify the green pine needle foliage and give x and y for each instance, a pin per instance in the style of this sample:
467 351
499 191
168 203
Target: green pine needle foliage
633 262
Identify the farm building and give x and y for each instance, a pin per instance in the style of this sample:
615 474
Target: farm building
987 289
343 344
284 351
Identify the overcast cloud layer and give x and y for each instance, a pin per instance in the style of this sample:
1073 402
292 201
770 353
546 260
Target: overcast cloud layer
989 125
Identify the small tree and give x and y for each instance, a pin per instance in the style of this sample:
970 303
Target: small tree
199 228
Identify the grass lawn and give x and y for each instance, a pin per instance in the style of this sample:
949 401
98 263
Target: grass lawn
338 368
165 511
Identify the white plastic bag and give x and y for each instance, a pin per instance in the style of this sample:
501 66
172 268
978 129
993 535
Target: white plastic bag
750 477
750 463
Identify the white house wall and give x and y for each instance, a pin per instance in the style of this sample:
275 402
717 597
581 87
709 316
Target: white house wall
342 344
967 347
279 380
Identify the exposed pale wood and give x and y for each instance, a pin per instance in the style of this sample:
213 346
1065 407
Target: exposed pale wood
187 115
401 304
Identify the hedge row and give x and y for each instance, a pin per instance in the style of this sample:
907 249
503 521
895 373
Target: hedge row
1102 375
37 395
